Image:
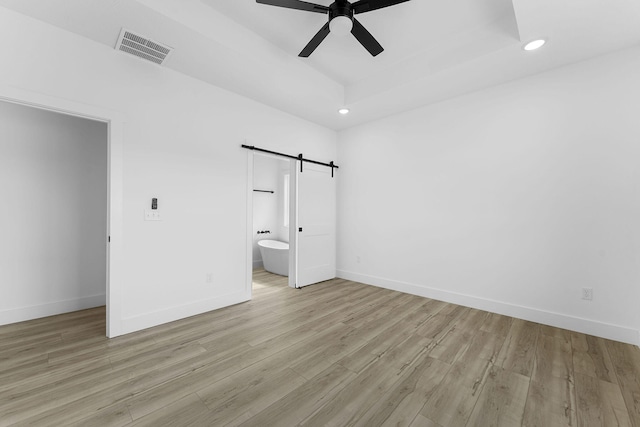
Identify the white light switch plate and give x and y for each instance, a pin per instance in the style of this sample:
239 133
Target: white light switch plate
152 215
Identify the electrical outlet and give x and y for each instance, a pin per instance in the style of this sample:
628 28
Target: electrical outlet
209 277
358 259
152 215
587 294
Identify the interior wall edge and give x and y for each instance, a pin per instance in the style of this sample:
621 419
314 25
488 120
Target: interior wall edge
22 314
586 326
156 318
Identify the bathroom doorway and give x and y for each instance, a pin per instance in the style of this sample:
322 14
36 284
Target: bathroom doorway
272 260
304 194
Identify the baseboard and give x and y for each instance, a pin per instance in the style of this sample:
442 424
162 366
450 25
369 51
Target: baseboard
148 320
22 314
258 264
586 326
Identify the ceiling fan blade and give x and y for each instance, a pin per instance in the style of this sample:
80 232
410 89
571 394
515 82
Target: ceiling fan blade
315 41
296 4
363 6
365 38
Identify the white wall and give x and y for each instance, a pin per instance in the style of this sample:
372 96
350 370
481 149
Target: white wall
511 199
53 182
267 207
284 202
181 144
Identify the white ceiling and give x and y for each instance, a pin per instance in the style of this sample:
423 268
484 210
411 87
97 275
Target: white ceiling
434 50
406 31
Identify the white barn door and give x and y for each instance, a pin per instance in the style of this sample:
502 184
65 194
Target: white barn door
316 222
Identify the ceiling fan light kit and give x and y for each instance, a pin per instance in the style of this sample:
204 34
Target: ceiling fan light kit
340 26
341 20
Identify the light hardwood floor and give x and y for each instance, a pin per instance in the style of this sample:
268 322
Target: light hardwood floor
338 353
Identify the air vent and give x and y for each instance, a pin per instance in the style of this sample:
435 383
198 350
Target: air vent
142 47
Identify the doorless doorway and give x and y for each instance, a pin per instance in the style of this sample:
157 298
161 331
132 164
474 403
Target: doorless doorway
53 181
269 213
51 217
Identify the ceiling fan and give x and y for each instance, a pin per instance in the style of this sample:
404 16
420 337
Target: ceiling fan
341 20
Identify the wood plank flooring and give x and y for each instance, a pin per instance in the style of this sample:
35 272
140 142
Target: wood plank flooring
335 354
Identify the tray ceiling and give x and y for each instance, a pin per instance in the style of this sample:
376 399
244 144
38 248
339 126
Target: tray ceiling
433 50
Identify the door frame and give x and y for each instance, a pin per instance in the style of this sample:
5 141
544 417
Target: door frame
113 239
292 219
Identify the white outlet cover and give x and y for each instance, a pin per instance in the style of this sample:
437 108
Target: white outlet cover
152 215
587 294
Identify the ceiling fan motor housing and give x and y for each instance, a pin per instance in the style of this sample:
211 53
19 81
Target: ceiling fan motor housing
341 20
340 8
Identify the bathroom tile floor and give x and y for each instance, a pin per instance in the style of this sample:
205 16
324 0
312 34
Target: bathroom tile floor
337 353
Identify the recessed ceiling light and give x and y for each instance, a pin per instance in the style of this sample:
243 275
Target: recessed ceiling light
534 44
343 111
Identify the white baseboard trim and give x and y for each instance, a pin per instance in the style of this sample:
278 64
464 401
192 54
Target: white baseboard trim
586 326
14 315
148 320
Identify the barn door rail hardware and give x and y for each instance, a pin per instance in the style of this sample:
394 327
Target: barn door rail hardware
299 157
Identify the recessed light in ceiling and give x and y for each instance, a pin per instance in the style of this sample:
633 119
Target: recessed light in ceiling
534 44
343 111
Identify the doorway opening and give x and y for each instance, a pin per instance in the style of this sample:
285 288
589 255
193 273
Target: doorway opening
63 232
53 177
272 251
302 197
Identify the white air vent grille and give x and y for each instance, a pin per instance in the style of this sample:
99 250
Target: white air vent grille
142 47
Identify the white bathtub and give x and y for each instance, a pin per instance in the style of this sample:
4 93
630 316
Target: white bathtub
275 256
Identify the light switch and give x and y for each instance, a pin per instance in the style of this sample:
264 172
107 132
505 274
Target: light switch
152 215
